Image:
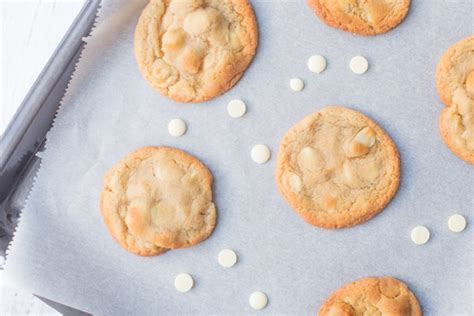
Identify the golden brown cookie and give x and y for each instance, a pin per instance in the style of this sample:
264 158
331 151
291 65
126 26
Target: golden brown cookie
455 85
372 296
195 50
363 17
337 168
158 198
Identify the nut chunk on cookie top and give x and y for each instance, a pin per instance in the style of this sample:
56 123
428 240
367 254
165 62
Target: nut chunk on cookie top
337 168
158 198
455 84
194 50
372 296
368 17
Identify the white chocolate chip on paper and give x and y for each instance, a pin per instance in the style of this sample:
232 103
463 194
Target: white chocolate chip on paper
177 127
296 84
227 258
258 300
260 153
236 108
420 235
183 282
457 223
359 65
317 64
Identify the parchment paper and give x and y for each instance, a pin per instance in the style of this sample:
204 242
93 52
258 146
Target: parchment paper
62 250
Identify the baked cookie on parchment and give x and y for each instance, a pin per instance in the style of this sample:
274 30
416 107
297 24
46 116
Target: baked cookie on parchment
372 296
337 168
455 85
195 50
158 198
363 17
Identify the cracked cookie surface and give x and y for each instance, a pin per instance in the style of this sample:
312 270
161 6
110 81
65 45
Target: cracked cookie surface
372 296
158 198
363 17
337 168
455 85
194 50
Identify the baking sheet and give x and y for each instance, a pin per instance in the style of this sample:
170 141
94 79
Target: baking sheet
62 250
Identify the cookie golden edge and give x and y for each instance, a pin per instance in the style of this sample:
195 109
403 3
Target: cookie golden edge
332 21
118 229
342 221
446 135
444 66
229 75
365 283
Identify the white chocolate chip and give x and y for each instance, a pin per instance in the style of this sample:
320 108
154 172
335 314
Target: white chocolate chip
260 153
310 159
227 258
183 282
177 127
294 182
420 235
457 223
317 64
236 108
366 136
361 143
296 84
258 300
359 65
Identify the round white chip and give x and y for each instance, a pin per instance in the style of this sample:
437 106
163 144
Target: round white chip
176 127
456 223
236 108
359 65
296 84
260 153
227 258
420 235
258 300
183 282
317 64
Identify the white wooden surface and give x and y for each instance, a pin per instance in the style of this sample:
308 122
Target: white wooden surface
29 33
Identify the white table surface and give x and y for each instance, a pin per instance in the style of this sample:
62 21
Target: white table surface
29 33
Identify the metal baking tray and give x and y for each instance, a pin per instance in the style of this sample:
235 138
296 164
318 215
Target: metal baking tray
26 134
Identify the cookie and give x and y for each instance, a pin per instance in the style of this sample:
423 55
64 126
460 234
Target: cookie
158 198
372 296
369 17
192 51
337 168
455 85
